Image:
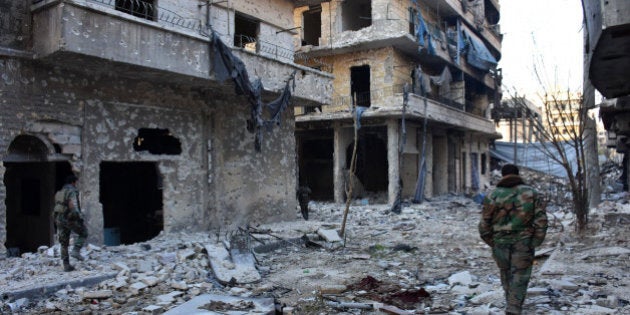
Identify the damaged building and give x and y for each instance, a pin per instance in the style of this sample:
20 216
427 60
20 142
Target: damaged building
172 113
607 69
424 76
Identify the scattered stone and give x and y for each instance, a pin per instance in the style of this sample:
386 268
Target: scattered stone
185 254
100 294
179 285
136 287
153 309
463 278
329 235
563 285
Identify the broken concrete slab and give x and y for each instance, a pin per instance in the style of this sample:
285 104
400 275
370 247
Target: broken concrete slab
99 294
225 304
463 278
605 251
329 235
226 269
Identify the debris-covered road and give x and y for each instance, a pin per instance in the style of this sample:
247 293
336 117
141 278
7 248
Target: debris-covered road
426 260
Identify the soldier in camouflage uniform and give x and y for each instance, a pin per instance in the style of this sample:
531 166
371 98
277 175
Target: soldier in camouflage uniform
69 218
513 222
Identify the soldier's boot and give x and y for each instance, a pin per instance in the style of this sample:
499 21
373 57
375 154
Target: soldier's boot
76 254
67 266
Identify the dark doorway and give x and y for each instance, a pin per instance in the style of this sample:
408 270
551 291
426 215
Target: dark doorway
356 14
360 85
245 31
371 164
312 20
316 167
131 195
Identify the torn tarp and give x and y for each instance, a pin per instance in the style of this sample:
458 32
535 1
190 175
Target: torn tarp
477 54
421 30
531 155
227 65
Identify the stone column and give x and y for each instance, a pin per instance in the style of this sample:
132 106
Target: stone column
392 159
339 161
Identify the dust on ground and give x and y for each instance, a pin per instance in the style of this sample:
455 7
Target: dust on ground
383 260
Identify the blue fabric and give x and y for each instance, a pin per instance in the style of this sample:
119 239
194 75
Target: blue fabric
477 54
359 111
422 30
531 155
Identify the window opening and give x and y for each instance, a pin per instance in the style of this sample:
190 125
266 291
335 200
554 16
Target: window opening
312 26
360 85
356 14
245 32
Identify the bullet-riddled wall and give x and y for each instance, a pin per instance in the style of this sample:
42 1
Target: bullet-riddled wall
102 120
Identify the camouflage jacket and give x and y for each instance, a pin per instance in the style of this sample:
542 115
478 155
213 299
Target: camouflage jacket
62 202
512 212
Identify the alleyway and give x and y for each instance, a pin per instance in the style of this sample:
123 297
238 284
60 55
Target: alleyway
428 259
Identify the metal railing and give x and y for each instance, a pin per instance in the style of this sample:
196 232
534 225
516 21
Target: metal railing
380 95
313 62
253 44
149 11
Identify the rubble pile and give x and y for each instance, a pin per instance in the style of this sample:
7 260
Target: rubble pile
427 259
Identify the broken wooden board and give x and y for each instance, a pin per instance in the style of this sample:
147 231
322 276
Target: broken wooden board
239 267
225 304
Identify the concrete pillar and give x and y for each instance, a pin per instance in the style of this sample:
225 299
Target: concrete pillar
428 185
392 160
341 140
592 163
440 165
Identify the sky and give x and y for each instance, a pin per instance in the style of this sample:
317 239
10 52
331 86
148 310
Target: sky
546 30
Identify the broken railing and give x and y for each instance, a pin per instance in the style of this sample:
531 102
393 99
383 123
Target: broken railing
312 62
148 11
256 45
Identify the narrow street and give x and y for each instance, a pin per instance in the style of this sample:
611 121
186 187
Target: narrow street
426 260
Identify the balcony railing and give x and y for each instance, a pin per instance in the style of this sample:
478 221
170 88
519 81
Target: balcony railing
149 11
253 44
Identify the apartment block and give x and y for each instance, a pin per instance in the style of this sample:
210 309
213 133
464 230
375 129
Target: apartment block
424 76
174 114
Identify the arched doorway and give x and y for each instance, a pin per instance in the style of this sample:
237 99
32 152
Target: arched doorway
31 180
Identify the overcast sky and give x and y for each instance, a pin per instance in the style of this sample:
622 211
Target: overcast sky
550 30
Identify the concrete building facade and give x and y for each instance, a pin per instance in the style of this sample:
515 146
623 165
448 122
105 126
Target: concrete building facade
607 69
127 94
425 72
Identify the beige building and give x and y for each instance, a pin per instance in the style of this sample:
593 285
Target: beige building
444 51
561 115
518 120
131 95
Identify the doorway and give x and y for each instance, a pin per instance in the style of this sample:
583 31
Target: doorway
131 195
360 85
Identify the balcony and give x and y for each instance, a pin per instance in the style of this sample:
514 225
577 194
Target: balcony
608 47
151 43
388 103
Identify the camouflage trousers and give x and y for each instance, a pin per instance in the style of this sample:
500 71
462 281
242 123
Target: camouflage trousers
515 265
65 226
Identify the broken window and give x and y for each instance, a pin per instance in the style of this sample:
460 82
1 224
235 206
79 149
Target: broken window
141 8
157 141
356 14
245 31
312 26
360 85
